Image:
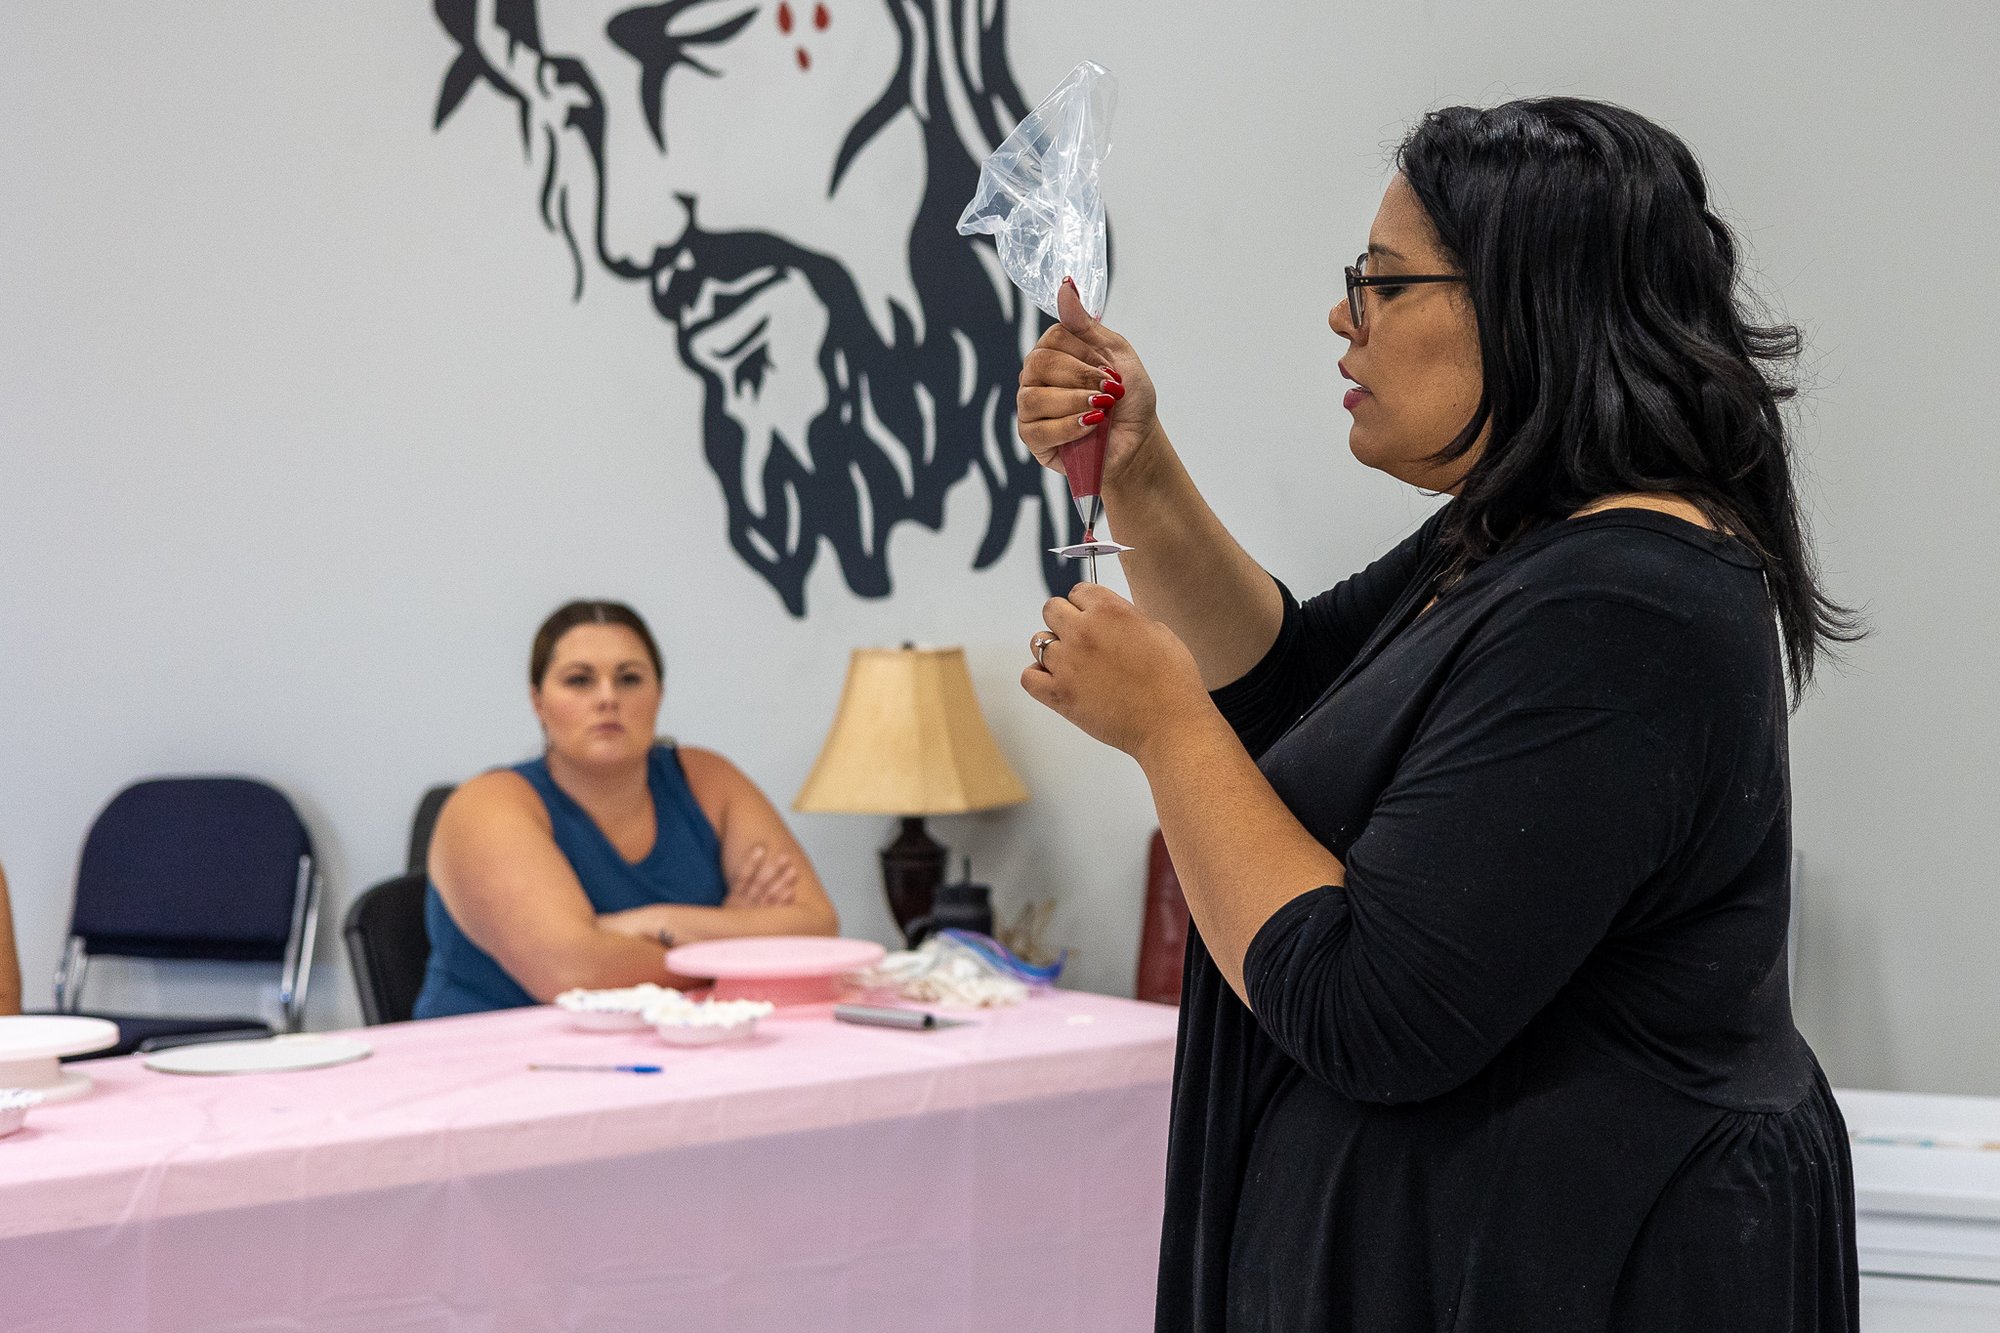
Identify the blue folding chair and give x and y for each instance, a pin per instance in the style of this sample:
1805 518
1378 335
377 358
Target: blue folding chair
217 869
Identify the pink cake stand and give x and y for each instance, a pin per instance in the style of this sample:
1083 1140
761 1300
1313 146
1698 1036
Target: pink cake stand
784 969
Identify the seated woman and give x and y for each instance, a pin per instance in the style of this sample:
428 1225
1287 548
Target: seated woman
581 867
10 962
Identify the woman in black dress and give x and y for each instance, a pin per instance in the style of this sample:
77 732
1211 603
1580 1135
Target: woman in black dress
1486 1022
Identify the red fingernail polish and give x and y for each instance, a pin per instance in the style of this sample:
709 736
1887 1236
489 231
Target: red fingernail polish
1115 389
1102 400
1111 373
1090 418
1070 283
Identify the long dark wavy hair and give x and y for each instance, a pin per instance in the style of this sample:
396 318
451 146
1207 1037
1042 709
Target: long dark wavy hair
1618 348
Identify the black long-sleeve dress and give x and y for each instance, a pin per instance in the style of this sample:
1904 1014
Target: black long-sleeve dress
1533 1066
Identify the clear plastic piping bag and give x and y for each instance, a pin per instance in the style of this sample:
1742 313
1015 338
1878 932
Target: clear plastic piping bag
1038 194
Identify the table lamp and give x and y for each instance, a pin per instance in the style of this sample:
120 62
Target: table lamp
908 740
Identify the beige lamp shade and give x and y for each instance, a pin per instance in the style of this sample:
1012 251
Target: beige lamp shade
909 739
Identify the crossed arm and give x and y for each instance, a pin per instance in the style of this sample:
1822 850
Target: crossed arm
495 862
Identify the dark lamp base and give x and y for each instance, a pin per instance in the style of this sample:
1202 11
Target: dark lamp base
912 869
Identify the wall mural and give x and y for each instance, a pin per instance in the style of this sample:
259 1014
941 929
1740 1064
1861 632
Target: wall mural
785 179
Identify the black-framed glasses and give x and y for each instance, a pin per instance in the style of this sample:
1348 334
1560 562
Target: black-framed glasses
1359 280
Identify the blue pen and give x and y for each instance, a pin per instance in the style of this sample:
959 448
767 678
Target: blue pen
601 1069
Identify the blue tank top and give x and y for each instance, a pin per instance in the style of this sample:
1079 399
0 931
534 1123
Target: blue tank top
685 866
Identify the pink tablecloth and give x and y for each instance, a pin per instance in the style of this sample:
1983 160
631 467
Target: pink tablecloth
1005 1175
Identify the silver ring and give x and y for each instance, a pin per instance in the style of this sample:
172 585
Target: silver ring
1040 643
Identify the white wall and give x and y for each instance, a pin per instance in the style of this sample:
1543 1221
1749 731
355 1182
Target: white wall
300 435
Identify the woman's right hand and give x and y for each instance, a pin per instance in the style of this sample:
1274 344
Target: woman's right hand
763 880
1064 378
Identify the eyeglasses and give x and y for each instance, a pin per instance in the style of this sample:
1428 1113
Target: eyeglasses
1359 280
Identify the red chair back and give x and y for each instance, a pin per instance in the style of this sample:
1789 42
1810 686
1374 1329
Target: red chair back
1163 932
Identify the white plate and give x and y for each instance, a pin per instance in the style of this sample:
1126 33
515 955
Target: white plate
268 1055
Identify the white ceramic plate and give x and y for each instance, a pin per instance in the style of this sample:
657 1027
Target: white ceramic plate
268 1055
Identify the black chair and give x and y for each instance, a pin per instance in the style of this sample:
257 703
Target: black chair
422 825
388 946
216 869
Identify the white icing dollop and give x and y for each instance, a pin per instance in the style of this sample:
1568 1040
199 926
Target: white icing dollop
673 1009
627 1000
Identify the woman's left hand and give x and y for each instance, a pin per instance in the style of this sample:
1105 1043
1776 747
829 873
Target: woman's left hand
1119 675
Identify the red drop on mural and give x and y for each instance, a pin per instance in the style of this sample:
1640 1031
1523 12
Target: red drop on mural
784 18
805 61
820 17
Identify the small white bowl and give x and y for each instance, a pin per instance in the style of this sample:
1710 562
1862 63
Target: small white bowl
14 1104
704 1034
606 1020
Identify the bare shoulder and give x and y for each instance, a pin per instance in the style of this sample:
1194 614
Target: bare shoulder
492 823
496 799
712 777
718 786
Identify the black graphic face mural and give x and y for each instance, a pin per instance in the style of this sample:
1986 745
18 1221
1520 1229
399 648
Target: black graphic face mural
786 178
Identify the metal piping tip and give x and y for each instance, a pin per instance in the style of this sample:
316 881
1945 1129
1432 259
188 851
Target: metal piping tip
1089 508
